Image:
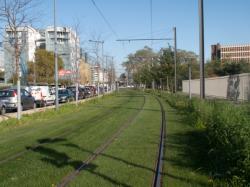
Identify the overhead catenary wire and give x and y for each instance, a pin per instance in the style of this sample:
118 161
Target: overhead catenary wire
104 18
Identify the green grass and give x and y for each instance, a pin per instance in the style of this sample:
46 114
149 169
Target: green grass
69 136
89 125
130 160
79 132
184 163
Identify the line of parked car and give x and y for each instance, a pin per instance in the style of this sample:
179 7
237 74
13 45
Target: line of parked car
41 96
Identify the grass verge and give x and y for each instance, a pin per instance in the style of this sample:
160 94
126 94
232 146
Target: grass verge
185 148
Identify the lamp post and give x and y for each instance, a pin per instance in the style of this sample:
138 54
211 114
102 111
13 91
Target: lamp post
175 60
202 55
56 56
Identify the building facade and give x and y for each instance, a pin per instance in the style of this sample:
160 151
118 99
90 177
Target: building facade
234 53
68 45
1 57
27 37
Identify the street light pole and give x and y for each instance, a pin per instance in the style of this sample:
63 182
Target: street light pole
56 56
190 77
202 55
76 70
175 61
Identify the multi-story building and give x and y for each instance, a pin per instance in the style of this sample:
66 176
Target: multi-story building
68 45
234 53
27 37
1 57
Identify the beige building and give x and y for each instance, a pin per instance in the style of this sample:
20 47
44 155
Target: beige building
235 53
85 72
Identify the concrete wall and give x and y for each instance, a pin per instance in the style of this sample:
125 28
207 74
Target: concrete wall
234 87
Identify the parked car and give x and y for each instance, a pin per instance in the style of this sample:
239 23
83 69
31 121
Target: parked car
87 92
92 90
2 107
65 95
42 95
81 93
9 97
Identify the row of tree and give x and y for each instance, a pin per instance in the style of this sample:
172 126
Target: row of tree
146 66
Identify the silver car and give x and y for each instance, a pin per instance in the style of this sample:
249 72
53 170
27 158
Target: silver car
9 97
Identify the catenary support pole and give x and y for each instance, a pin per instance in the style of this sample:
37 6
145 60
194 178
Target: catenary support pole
175 60
56 57
202 55
19 106
189 82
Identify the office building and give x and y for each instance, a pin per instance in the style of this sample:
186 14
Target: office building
233 53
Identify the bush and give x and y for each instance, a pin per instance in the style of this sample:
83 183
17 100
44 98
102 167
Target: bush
227 129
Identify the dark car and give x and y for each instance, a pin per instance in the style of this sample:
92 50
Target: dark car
65 95
92 90
9 97
81 93
87 92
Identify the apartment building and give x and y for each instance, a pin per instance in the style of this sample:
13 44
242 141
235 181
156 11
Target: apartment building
234 53
68 45
27 37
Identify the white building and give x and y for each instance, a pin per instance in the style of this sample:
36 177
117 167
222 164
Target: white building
27 37
99 75
1 57
68 45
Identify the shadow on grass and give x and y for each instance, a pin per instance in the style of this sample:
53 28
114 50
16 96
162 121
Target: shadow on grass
191 148
61 159
111 157
187 180
189 152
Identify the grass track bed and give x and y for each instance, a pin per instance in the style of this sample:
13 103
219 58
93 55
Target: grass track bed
48 163
130 160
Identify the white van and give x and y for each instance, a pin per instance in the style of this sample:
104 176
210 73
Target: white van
42 95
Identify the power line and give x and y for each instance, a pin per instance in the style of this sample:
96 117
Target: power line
142 39
104 18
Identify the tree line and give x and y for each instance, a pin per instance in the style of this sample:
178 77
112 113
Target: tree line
146 66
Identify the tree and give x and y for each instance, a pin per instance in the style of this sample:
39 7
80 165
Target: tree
219 68
43 69
139 66
16 14
145 65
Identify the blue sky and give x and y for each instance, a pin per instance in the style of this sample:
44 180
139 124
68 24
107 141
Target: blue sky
226 21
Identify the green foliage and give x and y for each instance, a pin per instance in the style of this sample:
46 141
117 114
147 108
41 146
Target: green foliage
145 66
218 68
43 69
227 129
